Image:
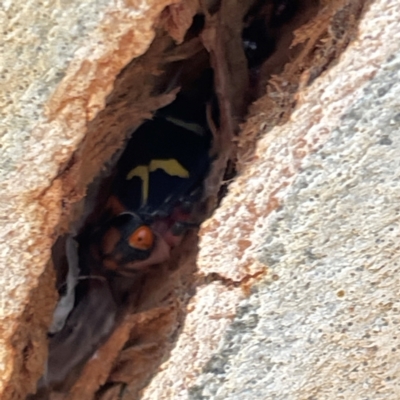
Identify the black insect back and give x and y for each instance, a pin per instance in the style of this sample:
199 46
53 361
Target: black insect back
166 159
158 178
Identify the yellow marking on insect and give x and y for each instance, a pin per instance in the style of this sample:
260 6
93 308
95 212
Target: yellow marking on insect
170 166
141 171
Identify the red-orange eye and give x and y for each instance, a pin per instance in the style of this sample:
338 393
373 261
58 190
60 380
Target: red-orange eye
142 238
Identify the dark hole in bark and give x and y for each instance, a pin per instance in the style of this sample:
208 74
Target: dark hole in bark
226 73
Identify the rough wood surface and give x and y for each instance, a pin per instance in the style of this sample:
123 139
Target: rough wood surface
314 217
298 267
58 63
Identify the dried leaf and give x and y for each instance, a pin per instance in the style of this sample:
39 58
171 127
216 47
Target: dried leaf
66 302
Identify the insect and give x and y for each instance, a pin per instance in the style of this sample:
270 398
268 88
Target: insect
159 178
